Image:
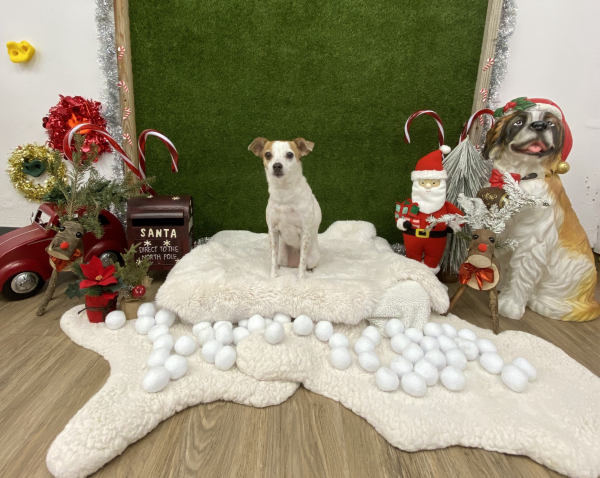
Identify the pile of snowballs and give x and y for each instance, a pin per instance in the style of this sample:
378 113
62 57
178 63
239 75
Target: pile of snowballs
424 356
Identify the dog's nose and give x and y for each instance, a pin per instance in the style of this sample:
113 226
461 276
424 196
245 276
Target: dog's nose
277 167
539 125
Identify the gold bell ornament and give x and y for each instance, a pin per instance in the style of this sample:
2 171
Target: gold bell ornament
563 167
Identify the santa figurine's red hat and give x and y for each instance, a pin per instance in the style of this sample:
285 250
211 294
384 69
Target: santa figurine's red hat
540 104
429 166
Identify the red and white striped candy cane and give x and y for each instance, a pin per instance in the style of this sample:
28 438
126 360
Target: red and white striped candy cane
431 113
67 141
488 65
142 150
473 117
120 52
122 84
126 112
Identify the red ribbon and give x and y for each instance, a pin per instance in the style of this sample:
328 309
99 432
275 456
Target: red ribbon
139 173
60 264
467 270
497 179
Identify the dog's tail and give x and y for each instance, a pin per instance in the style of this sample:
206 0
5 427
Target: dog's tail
584 306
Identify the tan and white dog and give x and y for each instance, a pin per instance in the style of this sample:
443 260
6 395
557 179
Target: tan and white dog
293 213
552 269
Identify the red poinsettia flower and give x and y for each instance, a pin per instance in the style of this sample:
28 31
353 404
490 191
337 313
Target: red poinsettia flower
97 274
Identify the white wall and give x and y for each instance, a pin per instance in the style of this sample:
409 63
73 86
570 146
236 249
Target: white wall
555 54
63 34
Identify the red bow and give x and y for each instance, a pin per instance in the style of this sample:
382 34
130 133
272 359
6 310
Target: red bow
497 180
467 270
60 264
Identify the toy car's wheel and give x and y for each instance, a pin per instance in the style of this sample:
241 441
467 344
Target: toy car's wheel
110 257
22 285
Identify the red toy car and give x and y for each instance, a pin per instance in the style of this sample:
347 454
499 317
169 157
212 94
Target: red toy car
24 263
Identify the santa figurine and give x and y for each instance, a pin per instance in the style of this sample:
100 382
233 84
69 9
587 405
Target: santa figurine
428 199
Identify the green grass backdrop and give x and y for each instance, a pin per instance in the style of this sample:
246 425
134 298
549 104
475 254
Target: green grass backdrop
214 74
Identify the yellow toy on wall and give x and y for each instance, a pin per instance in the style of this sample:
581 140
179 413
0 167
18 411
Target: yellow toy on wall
20 52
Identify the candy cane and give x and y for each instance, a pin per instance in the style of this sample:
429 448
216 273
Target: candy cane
488 65
484 94
120 52
126 112
122 84
431 113
477 114
170 146
127 136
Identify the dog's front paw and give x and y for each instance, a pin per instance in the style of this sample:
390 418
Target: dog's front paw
509 307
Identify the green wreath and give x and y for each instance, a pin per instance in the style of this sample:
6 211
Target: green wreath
29 161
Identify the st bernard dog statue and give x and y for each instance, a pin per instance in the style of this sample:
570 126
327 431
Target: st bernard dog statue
552 269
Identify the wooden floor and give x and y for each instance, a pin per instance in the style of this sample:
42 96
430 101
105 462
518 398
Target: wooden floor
45 379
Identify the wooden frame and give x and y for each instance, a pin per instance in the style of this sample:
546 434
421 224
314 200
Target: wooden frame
121 7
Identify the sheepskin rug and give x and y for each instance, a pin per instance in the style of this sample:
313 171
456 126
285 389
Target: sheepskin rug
229 279
555 421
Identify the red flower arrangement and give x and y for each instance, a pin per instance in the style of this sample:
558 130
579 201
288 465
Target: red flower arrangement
69 112
96 275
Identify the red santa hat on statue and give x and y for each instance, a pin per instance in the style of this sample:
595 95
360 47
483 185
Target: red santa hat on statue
429 166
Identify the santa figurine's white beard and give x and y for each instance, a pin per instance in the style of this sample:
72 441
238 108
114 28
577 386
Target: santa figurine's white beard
429 200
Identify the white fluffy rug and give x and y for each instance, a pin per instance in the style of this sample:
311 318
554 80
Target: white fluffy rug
229 279
556 421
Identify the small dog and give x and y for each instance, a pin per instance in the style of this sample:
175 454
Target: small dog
293 213
552 269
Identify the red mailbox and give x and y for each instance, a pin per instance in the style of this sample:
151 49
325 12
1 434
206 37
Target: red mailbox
163 225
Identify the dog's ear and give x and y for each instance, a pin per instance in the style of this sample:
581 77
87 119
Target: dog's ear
257 146
496 135
304 146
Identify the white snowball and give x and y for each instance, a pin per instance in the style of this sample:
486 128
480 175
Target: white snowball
206 334
428 371
413 352
453 378
164 341
437 358
399 342
414 384
486 345
225 357
115 320
256 322
526 366
274 333
268 322
282 318
455 358
340 358
147 308
514 378
224 334
302 325
165 316
158 357
143 324
446 343
157 331
393 327
222 322
338 340
177 366
432 329
387 380
369 361
324 330
429 343
199 326
467 334
491 362
186 345
469 348
155 379
449 330
210 349
400 365
414 334
364 344
243 323
373 334
239 334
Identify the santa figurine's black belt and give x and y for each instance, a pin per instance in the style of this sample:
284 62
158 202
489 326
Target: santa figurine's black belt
424 233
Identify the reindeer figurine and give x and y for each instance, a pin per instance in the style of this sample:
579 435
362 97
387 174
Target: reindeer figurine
481 270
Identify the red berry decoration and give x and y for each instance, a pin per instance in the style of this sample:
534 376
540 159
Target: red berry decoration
138 291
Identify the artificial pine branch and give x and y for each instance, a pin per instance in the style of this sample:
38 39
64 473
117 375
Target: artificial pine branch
132 272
